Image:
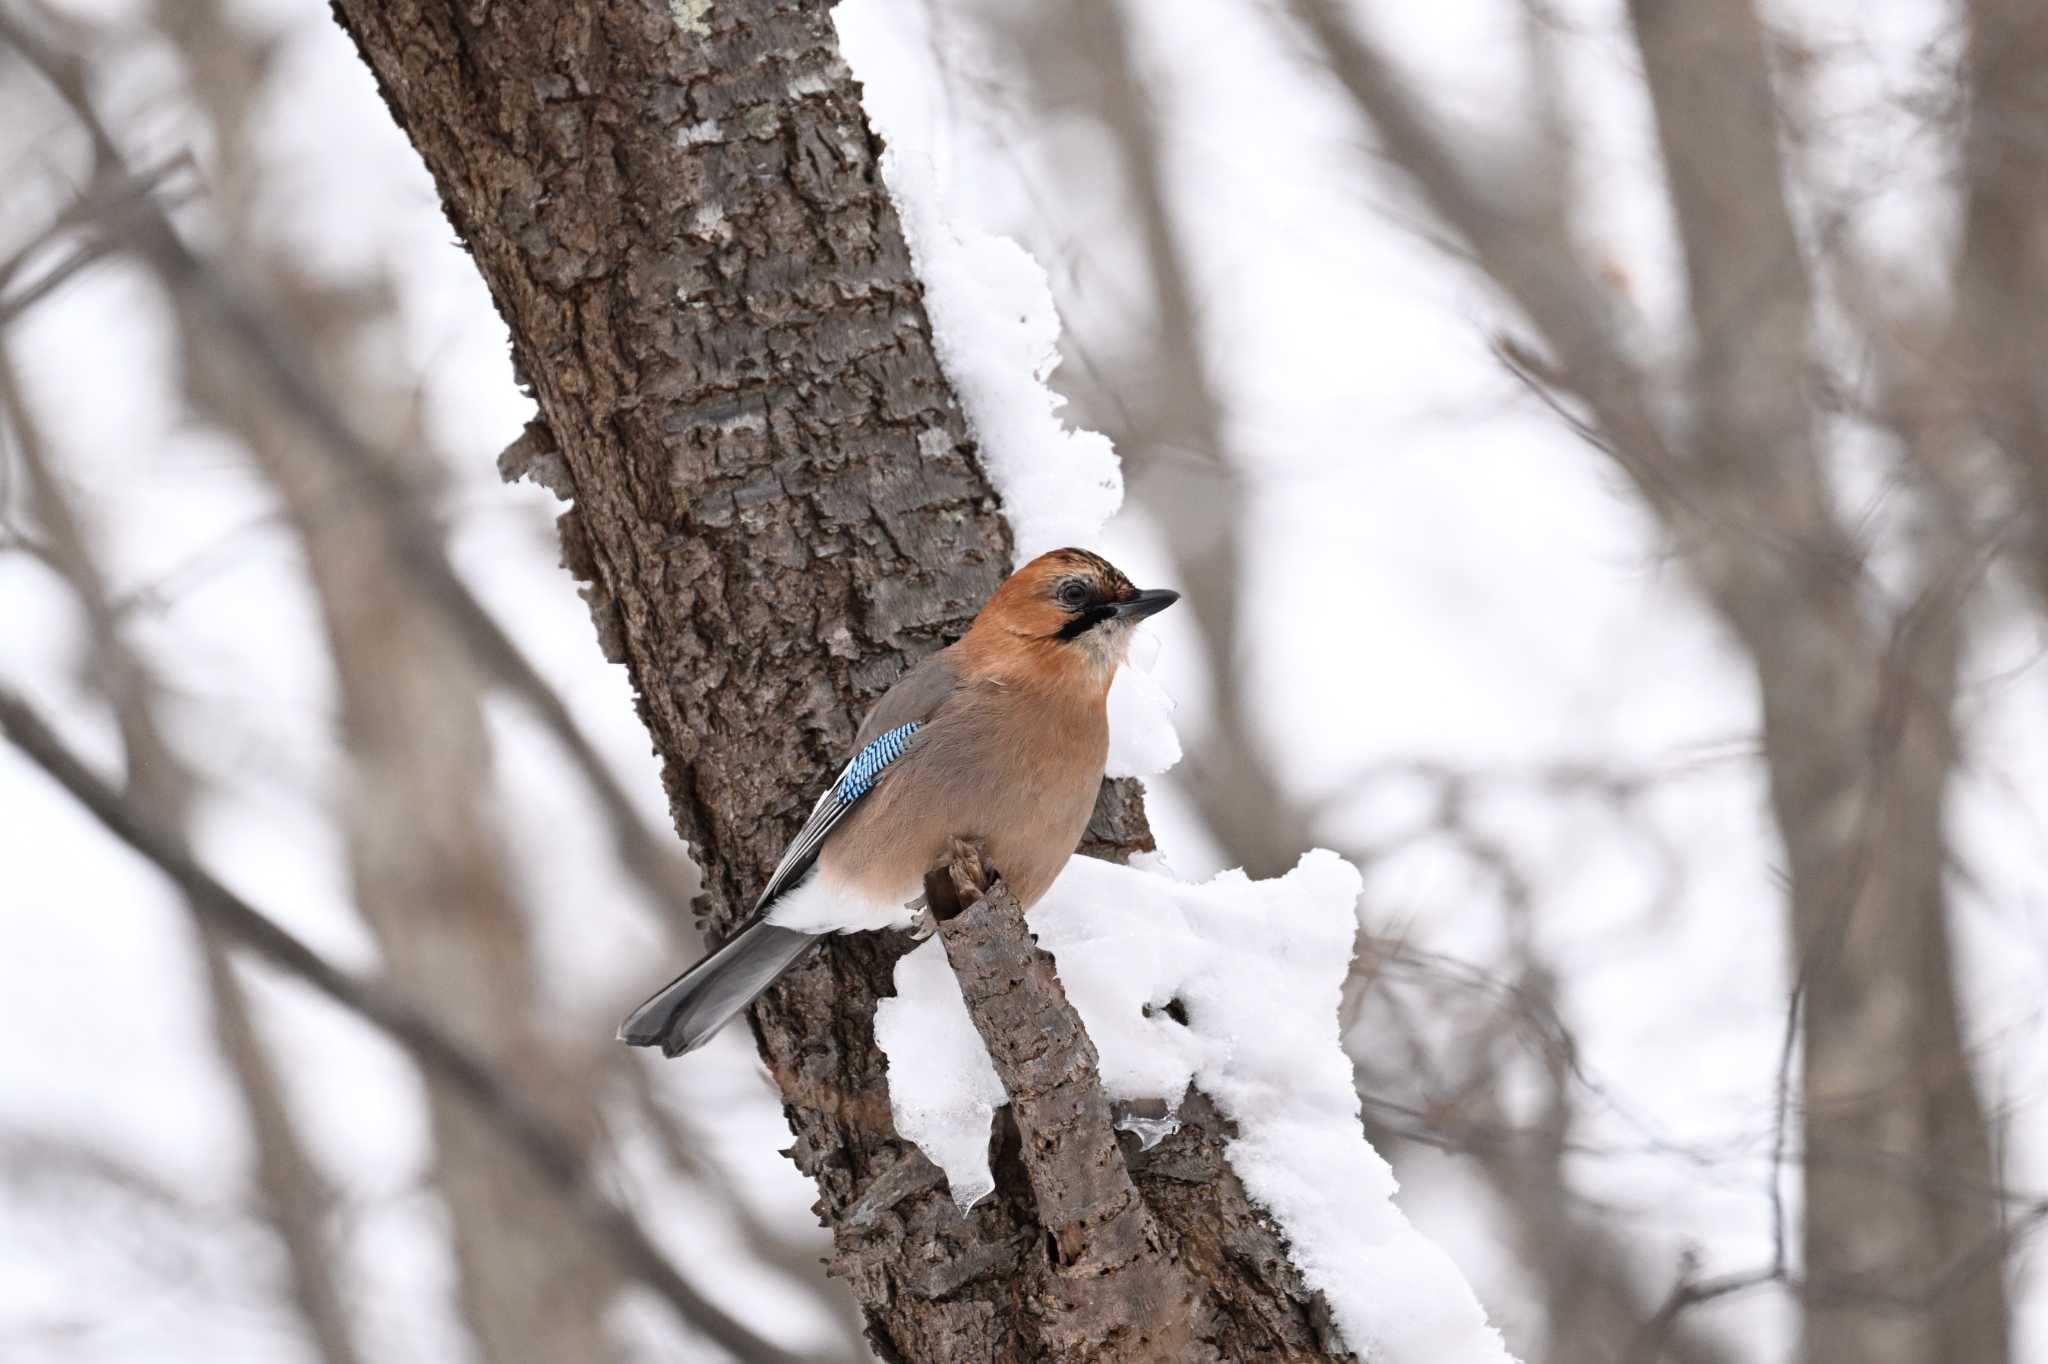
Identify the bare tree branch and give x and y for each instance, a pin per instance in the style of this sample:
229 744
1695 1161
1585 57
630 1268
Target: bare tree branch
1525 254
553 1155
1856 716
428 866
1113 1291
293 1193
269 352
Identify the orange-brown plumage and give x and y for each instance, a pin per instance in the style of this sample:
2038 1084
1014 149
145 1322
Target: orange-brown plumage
1003 736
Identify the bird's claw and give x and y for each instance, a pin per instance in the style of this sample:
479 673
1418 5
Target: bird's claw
953 885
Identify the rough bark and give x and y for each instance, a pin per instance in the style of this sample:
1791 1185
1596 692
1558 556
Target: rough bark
1109 1288
777 509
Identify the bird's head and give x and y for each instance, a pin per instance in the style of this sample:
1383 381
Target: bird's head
1069 612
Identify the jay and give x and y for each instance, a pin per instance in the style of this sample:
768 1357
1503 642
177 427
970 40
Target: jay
1001 735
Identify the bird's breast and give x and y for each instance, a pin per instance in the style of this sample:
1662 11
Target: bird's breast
1020 772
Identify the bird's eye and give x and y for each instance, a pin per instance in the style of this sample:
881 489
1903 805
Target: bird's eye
1074 595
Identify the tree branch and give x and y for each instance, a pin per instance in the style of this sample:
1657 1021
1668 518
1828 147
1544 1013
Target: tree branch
1527 255
682 217
553 1155
1857 718
1116 1295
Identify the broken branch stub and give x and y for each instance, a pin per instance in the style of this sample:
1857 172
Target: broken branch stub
1111 1287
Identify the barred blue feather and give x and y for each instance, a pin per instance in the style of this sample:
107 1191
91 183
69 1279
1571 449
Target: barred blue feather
855 780
867 765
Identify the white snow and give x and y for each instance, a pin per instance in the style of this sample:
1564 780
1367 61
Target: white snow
943 1089
1142 741
998 338
990 304
1257 966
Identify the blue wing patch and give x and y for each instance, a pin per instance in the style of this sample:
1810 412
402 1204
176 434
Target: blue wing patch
867 765
855 780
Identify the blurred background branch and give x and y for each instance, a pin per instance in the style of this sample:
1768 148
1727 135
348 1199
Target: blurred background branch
506 1114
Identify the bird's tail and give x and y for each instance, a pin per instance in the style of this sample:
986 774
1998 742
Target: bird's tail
705 998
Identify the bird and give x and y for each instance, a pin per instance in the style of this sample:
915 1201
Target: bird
1001 736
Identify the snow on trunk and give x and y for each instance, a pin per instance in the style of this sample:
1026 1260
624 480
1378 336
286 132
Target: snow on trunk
1254 967
990 304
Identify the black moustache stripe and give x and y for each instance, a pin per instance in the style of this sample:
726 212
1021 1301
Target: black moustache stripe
1086 621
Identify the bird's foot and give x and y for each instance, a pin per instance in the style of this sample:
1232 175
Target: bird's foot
963 877
971 870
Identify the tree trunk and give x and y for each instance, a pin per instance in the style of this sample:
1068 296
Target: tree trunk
777 510
427 869
1857 743
429 876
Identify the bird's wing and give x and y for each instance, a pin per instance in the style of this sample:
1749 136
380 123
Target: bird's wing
914 699
854 781
884 737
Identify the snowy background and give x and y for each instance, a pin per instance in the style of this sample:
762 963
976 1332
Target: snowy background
1441 590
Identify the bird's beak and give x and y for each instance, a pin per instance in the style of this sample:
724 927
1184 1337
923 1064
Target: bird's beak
1139 605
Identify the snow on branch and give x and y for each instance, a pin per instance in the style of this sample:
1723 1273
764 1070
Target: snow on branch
997 336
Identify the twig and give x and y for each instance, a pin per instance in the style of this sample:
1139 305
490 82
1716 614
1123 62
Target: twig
104 205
